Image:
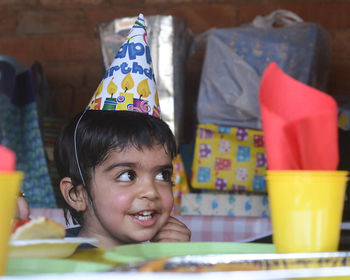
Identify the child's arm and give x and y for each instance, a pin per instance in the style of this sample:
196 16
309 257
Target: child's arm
173 231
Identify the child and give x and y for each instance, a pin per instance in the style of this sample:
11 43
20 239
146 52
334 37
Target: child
115 159
126 162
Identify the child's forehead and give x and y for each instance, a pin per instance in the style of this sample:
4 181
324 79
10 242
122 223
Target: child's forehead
138 149
140 146
145 158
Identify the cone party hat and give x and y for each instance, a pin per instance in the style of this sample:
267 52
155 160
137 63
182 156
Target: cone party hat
129 83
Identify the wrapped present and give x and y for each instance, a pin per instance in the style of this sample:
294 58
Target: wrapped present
186 151
239 205
181 185
236 58
229 159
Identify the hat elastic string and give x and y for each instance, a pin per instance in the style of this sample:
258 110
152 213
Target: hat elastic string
75 149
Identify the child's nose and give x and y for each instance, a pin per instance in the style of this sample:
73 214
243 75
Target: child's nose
149 190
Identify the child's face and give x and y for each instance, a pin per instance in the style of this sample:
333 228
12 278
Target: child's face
132 195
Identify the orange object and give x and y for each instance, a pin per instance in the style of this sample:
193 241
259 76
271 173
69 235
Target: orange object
300 124
18 223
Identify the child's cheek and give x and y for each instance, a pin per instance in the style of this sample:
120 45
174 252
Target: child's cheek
121 201
168 200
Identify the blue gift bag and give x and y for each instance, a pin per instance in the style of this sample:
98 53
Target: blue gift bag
236 58
20 131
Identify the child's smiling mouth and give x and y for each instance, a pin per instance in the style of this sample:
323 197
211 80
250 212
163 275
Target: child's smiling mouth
144 215
145 218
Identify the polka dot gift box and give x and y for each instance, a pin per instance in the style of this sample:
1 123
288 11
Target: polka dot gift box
235 205
229 159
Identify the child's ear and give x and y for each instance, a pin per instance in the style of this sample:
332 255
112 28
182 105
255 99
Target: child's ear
75 196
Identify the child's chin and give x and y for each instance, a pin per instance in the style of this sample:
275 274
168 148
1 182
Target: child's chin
143 237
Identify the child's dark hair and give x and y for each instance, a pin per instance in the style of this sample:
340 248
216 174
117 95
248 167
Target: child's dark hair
98 133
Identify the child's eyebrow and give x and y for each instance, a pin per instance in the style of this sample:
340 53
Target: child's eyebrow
165 166
133 165
119 164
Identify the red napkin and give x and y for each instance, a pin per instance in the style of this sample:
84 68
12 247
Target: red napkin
299 124
7 159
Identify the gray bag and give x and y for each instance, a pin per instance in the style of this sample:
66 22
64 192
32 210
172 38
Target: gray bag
236 58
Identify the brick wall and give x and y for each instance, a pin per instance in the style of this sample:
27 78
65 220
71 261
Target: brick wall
62 36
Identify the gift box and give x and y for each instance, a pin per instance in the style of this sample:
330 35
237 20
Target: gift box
186 152
240 205
229 159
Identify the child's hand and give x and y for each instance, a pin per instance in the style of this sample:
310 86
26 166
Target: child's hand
22 211
173 231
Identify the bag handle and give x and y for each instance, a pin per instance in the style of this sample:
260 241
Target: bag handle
277 18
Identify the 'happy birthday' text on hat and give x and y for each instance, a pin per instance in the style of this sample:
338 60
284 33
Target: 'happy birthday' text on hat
129 83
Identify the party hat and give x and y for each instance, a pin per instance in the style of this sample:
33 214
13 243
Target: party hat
129 83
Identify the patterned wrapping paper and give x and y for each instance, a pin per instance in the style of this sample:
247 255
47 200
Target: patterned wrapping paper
229 159
129 83
236 58
238 205
169 40
181 185
20 131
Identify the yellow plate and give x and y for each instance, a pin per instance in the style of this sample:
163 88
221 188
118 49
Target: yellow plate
46 248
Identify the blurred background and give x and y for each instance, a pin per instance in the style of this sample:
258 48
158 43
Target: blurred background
63 36
62 43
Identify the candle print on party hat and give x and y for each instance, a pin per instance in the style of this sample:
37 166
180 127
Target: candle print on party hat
129 83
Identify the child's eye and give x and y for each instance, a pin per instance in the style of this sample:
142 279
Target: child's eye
164 175
127 176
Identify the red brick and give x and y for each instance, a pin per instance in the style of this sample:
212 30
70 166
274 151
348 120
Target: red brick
20 48
340 44
247 12
68 102
97 16
7 22
82 99
93 75
166 2
65 48
201 2
339 82
138 5
202 17
54 4
57 35
51 22
83 74
73 84
329 14
18 3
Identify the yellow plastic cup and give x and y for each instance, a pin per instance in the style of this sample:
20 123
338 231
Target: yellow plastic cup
9 188
306 209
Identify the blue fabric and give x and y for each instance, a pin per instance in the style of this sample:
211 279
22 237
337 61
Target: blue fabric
73 232
20 131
